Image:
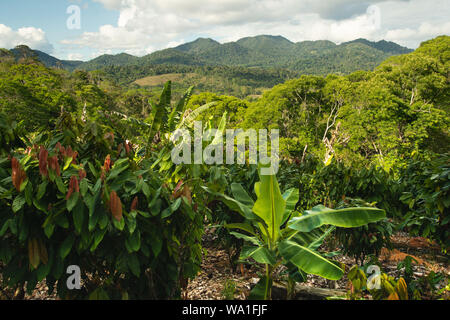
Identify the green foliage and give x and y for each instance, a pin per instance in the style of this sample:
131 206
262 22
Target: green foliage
229 290
417 200
334 183
230 105
225 180
380 117
406 266
427 186
10 132
159 114
384 287
390 289
237 81
33 89
108 60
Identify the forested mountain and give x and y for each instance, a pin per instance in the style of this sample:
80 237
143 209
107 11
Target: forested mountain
199 45
23 51
383 45
311 57
172 57
109 60
265 51
247 66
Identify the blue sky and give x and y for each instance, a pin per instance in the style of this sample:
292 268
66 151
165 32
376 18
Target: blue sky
51 17
140 27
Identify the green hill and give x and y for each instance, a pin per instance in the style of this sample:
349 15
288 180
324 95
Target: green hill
264 51
109 60
171 56
199 45
313 57
383 45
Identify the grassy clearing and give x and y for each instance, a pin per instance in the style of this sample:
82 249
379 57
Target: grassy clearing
153 81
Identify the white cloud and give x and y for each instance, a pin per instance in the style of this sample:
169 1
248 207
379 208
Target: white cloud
75 56
424 31
144 26
111 4
33 37
109 37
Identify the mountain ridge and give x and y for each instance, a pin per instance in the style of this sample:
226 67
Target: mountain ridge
23 51
263 51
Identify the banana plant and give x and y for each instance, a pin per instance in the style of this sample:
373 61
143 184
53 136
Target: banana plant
275 233
165 118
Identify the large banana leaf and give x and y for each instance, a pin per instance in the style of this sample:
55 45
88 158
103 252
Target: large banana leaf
132 120
261 289
291 197
345 218
241 195
270 205
309 260
312 240
242 226
251 239
158 116
189 119
218 138
307 239
175 115
234 205
259 254
295 273
318 242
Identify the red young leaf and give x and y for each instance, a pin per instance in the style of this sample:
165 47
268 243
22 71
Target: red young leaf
43 156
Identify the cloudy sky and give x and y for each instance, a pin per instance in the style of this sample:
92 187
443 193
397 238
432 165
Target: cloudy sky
84 29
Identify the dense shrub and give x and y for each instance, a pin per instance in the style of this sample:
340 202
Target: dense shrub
417 199
220 180
366 240
9 134
111 215
427 195
331 184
